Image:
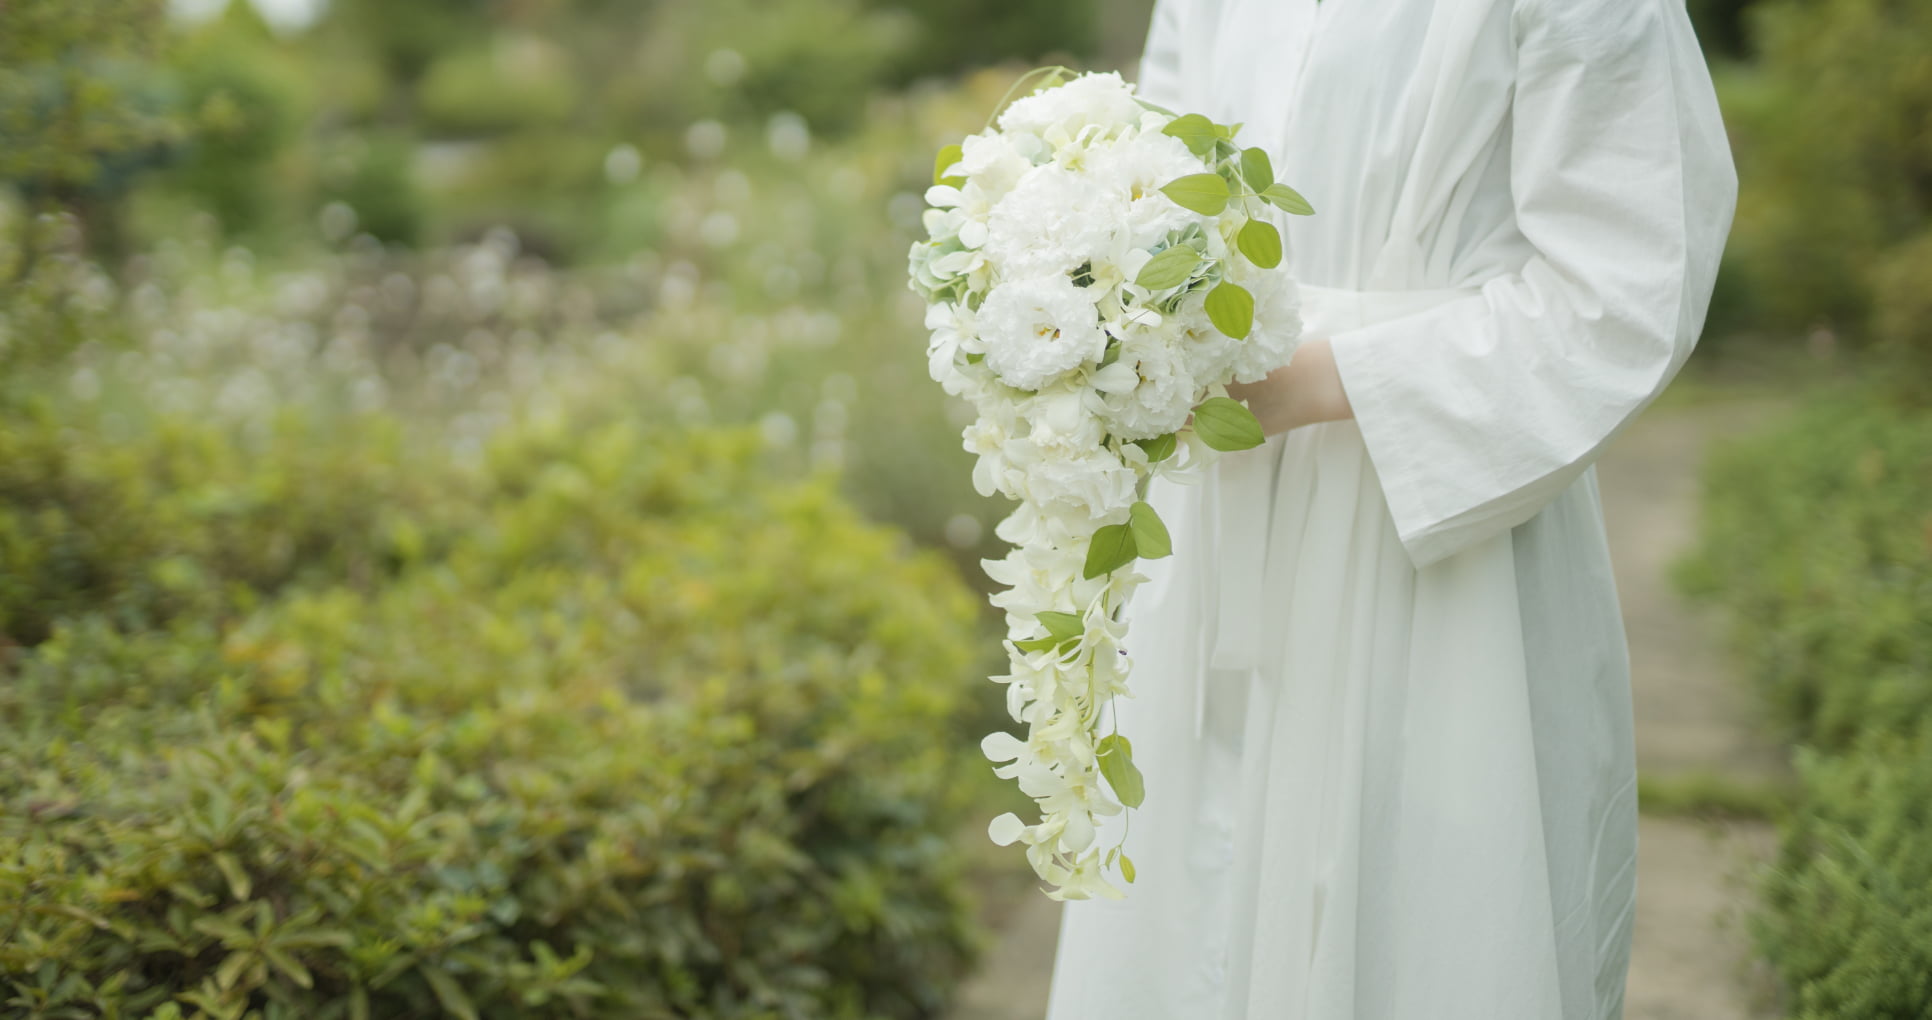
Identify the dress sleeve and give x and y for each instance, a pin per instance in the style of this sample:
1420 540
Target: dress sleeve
1159 77
1479 412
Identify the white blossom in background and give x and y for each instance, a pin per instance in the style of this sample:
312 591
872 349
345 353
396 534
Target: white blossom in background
1095 271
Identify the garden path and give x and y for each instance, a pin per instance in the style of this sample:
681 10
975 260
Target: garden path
1695 718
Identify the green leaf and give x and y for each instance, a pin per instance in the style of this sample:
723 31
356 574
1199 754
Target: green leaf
230 970
1231 308
1195 130
1287 199
289 965
1226 425
1206 194
449 993
1170 268
1158 448
1256 169
1260 242
1150 535
1116 759
239 884
1062 625
221 927
946 158
1063 629
1112 547
1127 868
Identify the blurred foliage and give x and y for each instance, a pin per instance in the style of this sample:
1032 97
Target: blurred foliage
1846 918
954 35
1818 537
1723 27
1833 128
84 107
357 675
248 103
513 103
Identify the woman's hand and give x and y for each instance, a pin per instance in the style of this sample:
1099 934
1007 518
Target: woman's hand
1306 390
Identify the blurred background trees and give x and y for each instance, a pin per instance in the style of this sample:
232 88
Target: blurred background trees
343 373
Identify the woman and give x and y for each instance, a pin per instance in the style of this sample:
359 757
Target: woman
1383 696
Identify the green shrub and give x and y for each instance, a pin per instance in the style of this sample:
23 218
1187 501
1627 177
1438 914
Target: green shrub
374 173
246 99
1818 536
1847 911
1832 129
1722 26
84 110
188 522
517 81
958 35
649 735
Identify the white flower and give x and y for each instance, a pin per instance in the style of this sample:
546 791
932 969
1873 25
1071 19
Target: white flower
1158 388
1029 276
1096 482
1136 168
1051 222
1103 100
994 162
1038 329
1277 327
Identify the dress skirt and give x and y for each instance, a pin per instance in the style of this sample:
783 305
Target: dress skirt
1374 792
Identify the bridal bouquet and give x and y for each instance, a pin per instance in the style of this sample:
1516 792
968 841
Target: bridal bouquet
1097 270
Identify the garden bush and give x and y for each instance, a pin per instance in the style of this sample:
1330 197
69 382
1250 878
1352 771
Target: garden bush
1817 536
1847 908
616 724
1832 128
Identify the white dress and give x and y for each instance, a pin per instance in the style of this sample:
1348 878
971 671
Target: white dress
1382 689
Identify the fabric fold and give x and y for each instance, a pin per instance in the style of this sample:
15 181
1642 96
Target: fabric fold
1240 485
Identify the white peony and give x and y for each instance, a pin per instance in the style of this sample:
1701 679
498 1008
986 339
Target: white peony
1036 330
1057 114
1277 327
1051 222
1149 390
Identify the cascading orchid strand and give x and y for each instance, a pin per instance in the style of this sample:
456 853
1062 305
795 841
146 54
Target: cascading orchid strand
1097 270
